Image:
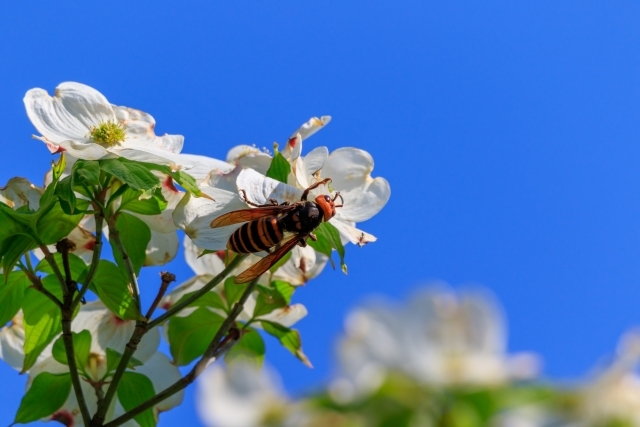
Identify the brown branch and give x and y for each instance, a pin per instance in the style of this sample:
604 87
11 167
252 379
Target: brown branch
167 278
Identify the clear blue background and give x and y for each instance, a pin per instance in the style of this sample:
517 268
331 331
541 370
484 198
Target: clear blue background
509 133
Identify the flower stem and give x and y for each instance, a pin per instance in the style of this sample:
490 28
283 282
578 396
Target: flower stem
217 347
199 293
95 260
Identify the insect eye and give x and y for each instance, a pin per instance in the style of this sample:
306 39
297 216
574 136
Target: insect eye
327 198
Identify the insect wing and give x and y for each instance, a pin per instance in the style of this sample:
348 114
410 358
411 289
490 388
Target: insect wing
244 215
267 262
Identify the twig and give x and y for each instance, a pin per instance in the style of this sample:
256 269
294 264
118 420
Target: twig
36 284
167 278
217 347
54 266
95 260
199 293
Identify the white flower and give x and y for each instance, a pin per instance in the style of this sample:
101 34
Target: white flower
242 396
79 120
12 343
614 394
109 331
440 339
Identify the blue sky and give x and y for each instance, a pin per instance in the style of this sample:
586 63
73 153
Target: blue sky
508 132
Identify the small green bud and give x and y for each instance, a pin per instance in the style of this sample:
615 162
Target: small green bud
107 133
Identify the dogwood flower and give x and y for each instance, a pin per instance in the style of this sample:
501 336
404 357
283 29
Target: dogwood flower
614 394
440 339
243 396
79 120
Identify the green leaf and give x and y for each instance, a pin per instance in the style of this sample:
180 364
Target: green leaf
42 320
64 190
10 226
113 290
47 394
12 295
279 168
250 348
268 300
135 236
285 289
210 299
132 202
86 172
233 291
187 182
133 390
289 338
189 336
81 346
113 359
77 265
328 239
55 224
16 247
134 174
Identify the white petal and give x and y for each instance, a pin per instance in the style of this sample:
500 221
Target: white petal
86 149
194 216
261 189
287 316
20 192
210 264
191 285
159 156
308 170
109 331
203 165
304 265
238 397
12 343
352 234
162 248
247 156
162 374
140 130
69 114
312 126
84 242
292 148
350 171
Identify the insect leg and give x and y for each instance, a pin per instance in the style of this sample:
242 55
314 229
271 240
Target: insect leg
316 185
272 202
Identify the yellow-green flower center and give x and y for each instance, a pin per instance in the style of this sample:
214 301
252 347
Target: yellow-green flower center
107 133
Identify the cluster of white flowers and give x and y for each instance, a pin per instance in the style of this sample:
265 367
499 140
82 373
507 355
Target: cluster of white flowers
442 342
79 122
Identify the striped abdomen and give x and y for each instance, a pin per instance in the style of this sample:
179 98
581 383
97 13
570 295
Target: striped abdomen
256 236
